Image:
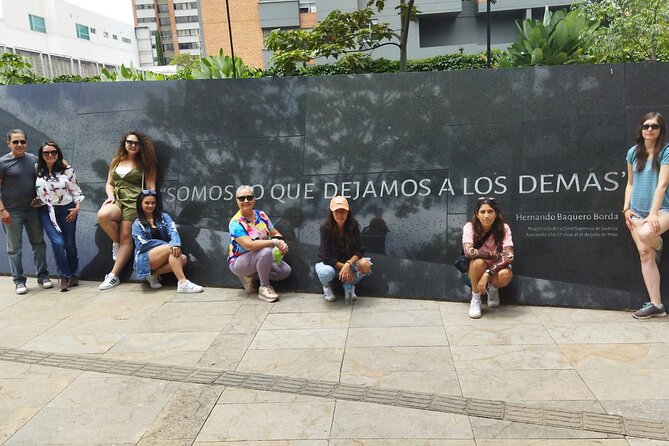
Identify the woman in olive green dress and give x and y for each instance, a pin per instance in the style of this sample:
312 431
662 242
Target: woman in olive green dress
132 170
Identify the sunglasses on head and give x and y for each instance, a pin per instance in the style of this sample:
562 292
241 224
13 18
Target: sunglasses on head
148 192
485 199
50 152
244 198
651 126
16 142
132 143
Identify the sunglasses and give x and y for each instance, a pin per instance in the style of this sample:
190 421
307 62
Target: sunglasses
149 192
244 198
16 142
50 152
485 199
132 143
651 126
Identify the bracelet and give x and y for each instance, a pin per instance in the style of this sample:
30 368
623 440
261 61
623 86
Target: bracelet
278 237
276 241
625 210
488 271
349 263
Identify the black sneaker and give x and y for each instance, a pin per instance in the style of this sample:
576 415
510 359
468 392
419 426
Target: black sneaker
649 310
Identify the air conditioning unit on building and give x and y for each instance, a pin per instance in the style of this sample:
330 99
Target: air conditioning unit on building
312 9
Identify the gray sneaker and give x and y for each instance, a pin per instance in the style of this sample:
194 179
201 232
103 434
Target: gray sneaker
493 296
328 294
46 283
649 310
21 288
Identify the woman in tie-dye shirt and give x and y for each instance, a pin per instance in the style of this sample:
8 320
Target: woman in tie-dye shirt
253 239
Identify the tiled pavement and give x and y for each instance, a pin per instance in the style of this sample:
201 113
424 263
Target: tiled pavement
137 366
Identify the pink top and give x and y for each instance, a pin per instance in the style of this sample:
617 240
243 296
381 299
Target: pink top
489 245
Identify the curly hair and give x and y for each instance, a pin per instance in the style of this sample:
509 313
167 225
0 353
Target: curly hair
145 159
497 225
640 153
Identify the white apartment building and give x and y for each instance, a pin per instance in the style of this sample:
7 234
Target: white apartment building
61 38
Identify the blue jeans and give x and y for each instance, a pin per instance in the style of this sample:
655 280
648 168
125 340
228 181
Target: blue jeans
326 274
14 233
63 244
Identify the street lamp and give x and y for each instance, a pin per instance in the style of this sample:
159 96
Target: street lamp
488 53
232 49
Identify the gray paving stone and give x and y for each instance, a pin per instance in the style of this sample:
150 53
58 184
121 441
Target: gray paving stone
232 379
319 388
381 396
523 414
260 382
289 385
603 423
646 429
452 404
349 392
485 408
563 418
415 400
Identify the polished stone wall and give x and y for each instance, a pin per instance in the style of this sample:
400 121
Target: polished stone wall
413 151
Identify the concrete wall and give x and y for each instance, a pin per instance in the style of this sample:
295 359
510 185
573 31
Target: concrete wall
413 151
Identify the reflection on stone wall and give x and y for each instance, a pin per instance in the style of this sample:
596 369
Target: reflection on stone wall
412 151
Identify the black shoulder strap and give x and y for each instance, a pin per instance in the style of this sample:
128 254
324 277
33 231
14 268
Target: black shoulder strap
482 240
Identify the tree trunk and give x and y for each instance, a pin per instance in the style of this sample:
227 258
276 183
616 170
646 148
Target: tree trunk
405 21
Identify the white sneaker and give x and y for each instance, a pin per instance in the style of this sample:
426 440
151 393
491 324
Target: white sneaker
493 296
328 293
115 247
46 283
110 282
475 308
188 287
349 295
21 288
267 294
154 281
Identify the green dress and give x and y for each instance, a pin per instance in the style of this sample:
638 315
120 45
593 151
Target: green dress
126 191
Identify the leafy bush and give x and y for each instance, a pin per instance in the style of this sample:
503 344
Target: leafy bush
220 67
74 78
130 73
17 70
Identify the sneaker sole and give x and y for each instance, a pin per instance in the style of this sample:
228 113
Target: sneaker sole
268 299
101 288
663 314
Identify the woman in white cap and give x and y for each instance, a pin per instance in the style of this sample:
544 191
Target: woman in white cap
341 253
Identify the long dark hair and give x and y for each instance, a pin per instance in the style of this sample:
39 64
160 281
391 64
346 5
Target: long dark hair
497 225
640 153
145 159
349 231
58 167
157 211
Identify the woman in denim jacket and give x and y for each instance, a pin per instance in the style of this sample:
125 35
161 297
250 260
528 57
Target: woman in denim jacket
157 245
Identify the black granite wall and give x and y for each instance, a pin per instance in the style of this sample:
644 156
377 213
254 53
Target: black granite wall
413 151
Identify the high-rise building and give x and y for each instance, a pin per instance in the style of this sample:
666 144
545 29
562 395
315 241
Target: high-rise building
442 26
60 38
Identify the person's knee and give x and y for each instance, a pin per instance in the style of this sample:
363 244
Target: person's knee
266 252
184 259
364 265
504 277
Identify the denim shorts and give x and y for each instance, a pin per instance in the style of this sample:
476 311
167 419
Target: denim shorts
641 215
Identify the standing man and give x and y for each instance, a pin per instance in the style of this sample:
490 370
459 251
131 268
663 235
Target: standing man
17 189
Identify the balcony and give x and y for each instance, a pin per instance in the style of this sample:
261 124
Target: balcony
508 5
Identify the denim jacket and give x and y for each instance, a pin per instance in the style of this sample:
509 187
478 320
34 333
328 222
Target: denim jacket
144 243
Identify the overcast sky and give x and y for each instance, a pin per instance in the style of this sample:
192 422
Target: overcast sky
116 9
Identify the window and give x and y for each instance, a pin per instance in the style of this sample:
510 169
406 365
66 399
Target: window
306 5
163 8
126 40
143 6
186 19
188 32
37 23
146 20
165 21
82 32
92 30
189 46
114 36
168 47
105 33
188 5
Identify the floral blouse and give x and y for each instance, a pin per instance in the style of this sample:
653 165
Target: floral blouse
59 189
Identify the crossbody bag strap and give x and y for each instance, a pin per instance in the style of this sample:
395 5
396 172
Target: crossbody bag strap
481 241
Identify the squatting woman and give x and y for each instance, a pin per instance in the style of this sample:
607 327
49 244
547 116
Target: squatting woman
341 253
490 264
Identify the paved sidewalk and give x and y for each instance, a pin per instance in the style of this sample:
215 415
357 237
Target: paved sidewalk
136 366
